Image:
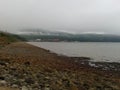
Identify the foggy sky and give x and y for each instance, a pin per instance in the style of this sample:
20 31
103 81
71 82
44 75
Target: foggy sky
100 16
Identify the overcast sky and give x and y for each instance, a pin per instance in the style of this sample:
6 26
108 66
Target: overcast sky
102 16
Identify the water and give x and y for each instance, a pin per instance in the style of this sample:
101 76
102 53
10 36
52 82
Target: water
98 51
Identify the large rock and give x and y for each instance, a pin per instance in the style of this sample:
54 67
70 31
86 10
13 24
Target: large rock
3 83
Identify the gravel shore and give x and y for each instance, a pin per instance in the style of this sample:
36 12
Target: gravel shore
26 67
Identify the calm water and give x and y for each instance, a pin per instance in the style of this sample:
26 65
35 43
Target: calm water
109 52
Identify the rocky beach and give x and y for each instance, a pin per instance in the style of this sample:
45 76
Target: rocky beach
26 67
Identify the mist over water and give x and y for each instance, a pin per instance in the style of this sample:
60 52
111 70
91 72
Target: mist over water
105 52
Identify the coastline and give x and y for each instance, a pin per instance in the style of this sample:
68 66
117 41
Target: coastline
87 61
48 70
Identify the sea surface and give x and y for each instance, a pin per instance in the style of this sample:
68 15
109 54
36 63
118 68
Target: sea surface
98 51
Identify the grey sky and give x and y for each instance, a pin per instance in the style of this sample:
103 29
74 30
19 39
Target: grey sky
62 15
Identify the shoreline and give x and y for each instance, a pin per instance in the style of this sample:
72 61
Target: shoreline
27 66
87 61
104 54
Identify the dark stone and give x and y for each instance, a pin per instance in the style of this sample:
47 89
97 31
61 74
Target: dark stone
29 81
3 63
108 88
14 69
99 88
86 86
2 78
27 63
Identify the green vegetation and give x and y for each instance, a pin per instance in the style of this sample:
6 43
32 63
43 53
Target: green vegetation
7 38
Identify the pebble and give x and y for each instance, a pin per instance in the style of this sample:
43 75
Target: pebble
3 83
14 86
24 88
46 88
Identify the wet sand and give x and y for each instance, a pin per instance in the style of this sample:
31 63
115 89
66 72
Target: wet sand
26 66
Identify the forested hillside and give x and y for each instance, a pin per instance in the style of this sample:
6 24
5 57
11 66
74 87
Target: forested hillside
74 37
7 38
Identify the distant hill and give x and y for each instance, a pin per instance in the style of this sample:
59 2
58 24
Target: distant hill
7 38
40 35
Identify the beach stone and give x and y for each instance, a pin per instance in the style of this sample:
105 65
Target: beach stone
47 78
2 78
13 68
14 86
21 80
27 63
17 82
73 87
3 83
108 88
29 80
47 85
24 88
36 85
99 88
3 63
46 88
